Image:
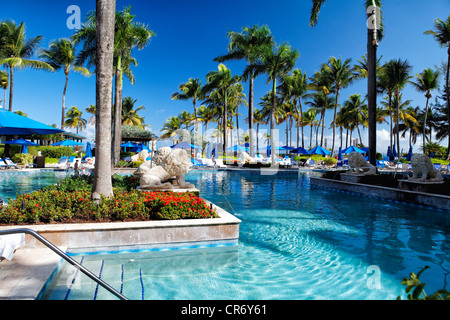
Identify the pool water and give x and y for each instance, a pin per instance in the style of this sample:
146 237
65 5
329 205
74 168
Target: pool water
296 242
13 183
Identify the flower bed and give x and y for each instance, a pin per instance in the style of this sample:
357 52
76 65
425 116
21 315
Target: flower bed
70 202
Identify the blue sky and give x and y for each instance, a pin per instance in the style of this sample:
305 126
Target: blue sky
190 34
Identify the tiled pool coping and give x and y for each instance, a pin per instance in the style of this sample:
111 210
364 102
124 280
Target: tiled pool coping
32 265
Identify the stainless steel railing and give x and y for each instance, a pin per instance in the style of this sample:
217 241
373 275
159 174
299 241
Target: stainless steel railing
63 255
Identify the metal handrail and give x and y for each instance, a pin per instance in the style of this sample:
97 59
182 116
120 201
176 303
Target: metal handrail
65 257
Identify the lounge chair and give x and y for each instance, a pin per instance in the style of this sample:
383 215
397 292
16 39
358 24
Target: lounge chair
71 162
3 164
219 163
311 163
10 164
437 166
62 162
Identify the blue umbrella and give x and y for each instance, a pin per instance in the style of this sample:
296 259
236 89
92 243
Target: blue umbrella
410 153
14 124
128 145
340 154
140 147
299 150
88 151
67 143
185 145
237 148
389 154
352 149
394 152
319 150
24 143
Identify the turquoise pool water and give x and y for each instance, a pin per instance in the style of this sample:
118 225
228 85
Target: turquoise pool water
15 182
295 243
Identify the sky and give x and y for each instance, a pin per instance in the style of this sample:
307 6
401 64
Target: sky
190 34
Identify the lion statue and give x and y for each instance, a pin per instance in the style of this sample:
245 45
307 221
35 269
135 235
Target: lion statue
358 164
167 164
421 165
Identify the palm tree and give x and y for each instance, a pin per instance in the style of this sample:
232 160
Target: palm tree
442 36
276 63
16 51
105 16
170 127
426 81
260 117
128 36
222 82
320 102
374 33
186 118
356 112
4 84
74 119
250 44
130 115
191 90
206 115
237 98
309 119
61 55
91 109
340 74
398 73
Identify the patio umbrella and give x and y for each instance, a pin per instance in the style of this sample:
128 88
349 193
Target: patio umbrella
185 145
299 150
128 145
388 153
88 151
67 143
140 147
269 150
319 150
24 143
352 149
340 154
410 153
394 152
14 124
237 148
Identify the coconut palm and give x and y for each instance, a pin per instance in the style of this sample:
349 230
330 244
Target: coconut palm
91 109
320 102
340 74
4 84
170 127
398 73
129 35
277 62
105 16
74 119
237 98
442 35
191 90
426 81
206 115
357 112
309 119
374 34
16 51
249 44
130 114
61 55
222 83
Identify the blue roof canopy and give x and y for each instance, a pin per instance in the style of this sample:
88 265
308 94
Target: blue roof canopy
14 124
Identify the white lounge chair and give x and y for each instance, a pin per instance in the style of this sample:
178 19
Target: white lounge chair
62 163
9 163
219 163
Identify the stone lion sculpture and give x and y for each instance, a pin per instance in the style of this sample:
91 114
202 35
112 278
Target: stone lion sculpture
141 156
421 165
167 164
358 163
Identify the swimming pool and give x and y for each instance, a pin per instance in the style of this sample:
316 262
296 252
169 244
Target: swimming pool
295 243
13 182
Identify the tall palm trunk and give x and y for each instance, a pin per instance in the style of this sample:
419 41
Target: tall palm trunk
117 130
372 91
63 114
105 16
272 122
447 87
11 85
425 126
251 116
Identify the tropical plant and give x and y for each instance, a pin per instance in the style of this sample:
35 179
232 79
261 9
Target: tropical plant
170 127
356 112
221 82
340 74
250 44
104 57
128 35
74 119
61 55
191 90
413 284
442 35
130 115
276 63
374 34
426 81
91 109
16 51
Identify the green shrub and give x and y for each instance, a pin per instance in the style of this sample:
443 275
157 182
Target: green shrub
22 158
